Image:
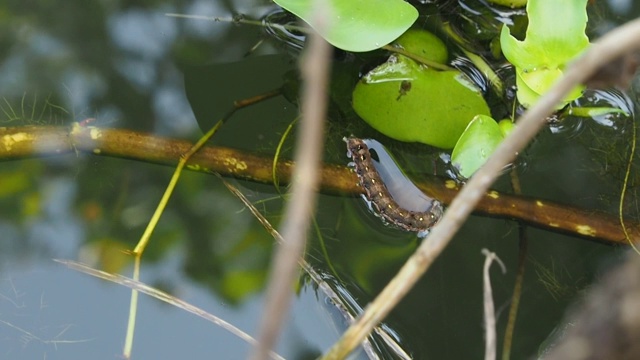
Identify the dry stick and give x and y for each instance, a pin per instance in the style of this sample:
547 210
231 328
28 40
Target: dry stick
315 71
489 310
621 40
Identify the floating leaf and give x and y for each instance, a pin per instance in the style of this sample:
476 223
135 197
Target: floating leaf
424 44
212 89
555 35
506 127
510 3
356 25
477 143
409 102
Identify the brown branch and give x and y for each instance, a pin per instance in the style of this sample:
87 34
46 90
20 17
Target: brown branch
31 141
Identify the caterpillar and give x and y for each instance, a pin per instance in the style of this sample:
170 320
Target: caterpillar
425 211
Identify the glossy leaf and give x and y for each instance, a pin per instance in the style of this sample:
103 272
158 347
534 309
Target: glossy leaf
555 35
409 102
424 44
477 143
506 127
510 3
356 25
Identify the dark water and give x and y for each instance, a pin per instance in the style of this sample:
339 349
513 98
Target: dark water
129 66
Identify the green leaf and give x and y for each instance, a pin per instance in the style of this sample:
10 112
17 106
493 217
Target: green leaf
211 89
555 36
477 143
356 25
506 127
531 85
409 102
424 44
510 3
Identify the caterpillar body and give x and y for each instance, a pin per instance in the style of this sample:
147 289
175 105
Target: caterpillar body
417 214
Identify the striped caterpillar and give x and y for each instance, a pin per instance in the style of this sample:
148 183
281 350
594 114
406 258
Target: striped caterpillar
420 212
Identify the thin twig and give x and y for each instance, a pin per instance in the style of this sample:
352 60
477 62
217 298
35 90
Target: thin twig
298 213
623 191
146 236
301 29
338 302
155 218
162 296
614 44
489 309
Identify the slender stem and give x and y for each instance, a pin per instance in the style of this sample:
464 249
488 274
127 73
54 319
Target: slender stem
301 29
144 240
276 156
623 191
155 218
523 243
146 236
517 293
133 310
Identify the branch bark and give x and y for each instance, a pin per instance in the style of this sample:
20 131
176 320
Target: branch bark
42 141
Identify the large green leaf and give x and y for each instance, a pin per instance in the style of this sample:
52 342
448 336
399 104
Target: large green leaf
555 35
409 102
211 89
356 25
